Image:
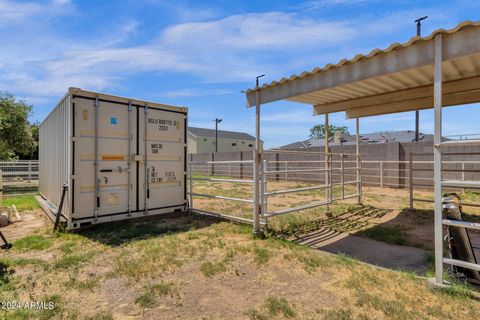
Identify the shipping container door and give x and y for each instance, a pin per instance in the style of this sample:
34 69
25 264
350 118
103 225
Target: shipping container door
115 191
162 147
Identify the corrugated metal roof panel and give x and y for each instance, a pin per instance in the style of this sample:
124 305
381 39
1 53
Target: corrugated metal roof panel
374 52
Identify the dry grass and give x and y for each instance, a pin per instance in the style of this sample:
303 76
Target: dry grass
193 268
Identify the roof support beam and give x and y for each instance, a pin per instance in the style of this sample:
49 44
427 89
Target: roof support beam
424 92
452 99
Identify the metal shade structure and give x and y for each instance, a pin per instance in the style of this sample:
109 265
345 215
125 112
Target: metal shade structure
399 78
442 69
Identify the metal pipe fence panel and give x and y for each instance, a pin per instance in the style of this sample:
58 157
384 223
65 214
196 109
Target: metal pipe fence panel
20 176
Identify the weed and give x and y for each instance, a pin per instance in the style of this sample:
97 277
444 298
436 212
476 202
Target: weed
389 308
30 243
459 290
67 247
88 284
149 297
312 262
55 301
345 260
254 314
72 260
22 262
276 306
6 276
146 300
152 256
262 255
209 269
163 288
338 314
101 315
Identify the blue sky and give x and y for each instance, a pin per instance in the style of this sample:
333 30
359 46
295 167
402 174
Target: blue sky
201 54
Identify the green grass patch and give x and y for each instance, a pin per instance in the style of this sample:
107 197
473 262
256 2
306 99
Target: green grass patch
86 285
393 235
338 314
26 202
149 297
276 306
6 272
30 243
48 313
101 315
146 300
72 260
272 308
209 269
22 262
262 255
254 314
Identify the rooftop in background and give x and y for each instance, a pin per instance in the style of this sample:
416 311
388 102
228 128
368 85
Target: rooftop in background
368 138
222 134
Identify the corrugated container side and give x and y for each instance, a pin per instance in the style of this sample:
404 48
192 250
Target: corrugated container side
55 153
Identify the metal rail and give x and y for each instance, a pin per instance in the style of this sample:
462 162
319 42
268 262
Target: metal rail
223 180
263 188
221 197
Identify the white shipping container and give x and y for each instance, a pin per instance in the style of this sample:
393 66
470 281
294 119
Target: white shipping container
121 158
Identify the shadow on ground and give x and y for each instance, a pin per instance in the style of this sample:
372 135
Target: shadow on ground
118 233
371 235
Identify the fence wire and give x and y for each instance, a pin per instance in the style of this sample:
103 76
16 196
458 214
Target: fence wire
19 177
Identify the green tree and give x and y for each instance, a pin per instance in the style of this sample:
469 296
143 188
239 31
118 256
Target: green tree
15 131
318 131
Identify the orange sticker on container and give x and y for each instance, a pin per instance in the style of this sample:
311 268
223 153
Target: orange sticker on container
113 157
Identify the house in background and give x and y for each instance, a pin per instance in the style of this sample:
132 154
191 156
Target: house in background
340 138
201 140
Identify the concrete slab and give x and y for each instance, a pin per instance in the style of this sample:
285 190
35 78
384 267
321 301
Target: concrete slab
367 250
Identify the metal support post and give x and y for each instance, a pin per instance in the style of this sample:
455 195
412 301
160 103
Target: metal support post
60 207
264 188
381 174
190 175
257 166
359 162
330 177
410 179
437 158
241 165
342 174
328 190
463 175
286 170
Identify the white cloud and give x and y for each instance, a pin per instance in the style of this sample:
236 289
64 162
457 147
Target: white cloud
216 51
12 11
320 4
258 31
15 12
190 93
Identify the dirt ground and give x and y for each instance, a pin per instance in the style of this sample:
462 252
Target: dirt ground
32 221
193 267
